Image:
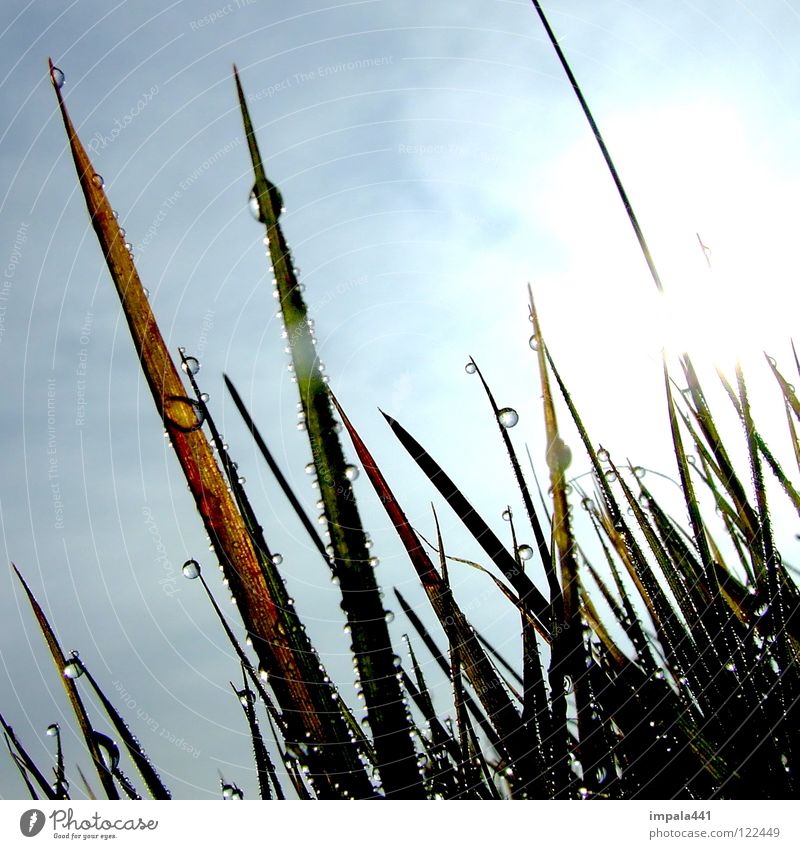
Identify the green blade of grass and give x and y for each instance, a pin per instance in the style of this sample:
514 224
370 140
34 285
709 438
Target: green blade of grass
264 768
89 734
350 563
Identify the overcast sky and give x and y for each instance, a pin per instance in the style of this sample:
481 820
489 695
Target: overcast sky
433 161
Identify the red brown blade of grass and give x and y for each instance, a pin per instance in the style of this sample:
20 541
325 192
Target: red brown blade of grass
89 734
283 650
477 667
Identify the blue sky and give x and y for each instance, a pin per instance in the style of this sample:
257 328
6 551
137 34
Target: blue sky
433 162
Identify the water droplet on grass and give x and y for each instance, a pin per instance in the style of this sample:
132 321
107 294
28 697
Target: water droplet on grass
508 417
184 413
533 343
254 207
98 181
191 365
470 368
191 569
52 730
108 750
73 669
525 552
507 515
351 472
57 75
277 559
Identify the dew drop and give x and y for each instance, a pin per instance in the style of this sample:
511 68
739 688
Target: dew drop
603 456
533 343
254 207
191 569
57 75
525 552
108 750
191 365
639 472
277 559
508 417
227 791
73 669
559 455
373 561
98 181
470 367
204 397
52 730
351 472
389 616
186 414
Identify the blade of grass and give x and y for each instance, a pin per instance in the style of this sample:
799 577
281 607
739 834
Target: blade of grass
536 603
602 145
275 469
350 564
24 761
89 734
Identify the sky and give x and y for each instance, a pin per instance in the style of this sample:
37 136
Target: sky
433 162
